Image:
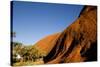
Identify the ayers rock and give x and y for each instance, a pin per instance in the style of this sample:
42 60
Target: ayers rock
77 43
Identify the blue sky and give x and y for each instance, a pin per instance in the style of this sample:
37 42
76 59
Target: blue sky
33 21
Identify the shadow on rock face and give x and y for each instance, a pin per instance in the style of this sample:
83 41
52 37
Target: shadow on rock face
78 42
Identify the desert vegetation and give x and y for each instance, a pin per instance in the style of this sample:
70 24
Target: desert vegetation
27 55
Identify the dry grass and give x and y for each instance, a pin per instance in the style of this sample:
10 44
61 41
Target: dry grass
28 63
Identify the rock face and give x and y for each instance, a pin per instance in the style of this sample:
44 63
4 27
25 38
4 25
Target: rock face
77 43
47 43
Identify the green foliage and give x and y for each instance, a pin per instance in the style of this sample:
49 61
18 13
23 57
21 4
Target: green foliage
16 44
28 53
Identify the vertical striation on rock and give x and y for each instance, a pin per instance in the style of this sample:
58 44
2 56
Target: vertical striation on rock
77 43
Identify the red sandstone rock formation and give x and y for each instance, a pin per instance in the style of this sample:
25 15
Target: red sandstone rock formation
77 43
